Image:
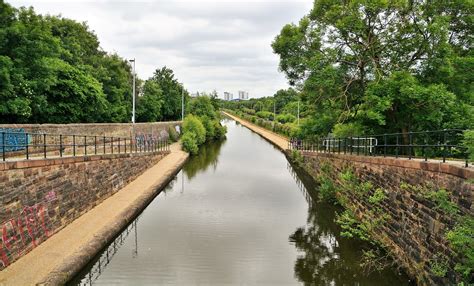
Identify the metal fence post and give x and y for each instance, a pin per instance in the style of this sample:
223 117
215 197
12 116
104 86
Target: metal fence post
60 145
445 146
410 146
74 145
44 145
396 147
125 145
3 146
104 143
85 145
27 147
119 145
95 145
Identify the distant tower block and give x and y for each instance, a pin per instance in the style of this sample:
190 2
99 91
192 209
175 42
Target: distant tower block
243 95
228 96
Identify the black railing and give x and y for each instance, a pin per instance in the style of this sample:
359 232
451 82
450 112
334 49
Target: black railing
24 145
440 144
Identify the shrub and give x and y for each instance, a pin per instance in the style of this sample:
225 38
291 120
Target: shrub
209 125
248 111
220 130
265 115
189 143
192 124
461 238
284 118
174 136
469 143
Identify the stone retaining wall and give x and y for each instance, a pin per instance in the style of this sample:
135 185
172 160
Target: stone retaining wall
40 197
414 227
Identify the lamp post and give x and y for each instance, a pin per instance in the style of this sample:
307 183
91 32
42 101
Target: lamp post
182 104
133 93
298 112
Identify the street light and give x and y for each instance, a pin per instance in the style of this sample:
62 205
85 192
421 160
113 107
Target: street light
133 93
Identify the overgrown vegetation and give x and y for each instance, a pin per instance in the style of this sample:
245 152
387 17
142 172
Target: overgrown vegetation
201 124
461 238
52 70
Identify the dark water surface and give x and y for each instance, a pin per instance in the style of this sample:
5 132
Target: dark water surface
237 213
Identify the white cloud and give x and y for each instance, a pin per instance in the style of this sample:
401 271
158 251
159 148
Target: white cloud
222 44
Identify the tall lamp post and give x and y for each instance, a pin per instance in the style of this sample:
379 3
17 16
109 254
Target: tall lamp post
182 104
133 93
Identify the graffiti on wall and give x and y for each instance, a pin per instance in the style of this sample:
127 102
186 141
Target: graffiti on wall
27 230
14 139
142 140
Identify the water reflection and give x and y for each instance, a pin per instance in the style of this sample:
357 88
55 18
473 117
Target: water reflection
100 263
326 258
207 157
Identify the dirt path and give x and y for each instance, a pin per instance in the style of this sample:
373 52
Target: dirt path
278 140
55 261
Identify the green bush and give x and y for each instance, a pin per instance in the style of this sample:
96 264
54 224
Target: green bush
220 130
209 125
265 115
192 124
173 135
461 238
285 118
469 143
189 143
248 111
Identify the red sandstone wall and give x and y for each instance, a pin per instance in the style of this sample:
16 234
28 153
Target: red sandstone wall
415 230
39 197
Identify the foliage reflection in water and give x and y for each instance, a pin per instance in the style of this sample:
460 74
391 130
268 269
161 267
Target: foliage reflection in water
238 213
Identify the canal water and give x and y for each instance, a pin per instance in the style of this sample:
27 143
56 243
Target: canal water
238 213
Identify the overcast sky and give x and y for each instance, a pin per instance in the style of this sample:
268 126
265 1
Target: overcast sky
222 44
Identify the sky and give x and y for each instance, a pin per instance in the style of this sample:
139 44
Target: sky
222 45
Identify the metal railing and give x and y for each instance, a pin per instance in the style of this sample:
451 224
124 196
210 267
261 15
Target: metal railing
24 145
439 144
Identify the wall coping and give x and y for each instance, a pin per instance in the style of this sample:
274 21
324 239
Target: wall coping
26 125
447 168
35 163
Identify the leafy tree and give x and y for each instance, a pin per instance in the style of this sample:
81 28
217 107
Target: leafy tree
150 104
367 61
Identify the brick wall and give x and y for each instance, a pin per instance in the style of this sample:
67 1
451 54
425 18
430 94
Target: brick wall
39 197
414 231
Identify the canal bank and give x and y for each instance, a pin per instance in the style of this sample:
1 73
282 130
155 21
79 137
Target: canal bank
277 140
59 258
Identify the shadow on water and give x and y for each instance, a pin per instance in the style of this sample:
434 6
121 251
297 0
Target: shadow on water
325 257
207 157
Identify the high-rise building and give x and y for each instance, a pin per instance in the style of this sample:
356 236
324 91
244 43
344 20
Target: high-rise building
243 95
228 95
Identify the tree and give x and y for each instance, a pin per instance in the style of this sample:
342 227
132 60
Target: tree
172 90
150 104
341 51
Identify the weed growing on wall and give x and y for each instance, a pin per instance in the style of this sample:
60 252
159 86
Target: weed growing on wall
461 238
442 201
439 265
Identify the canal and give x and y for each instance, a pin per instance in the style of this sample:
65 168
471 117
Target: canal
238 213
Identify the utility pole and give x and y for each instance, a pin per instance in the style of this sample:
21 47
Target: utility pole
133 92
182 104
274 114
298 112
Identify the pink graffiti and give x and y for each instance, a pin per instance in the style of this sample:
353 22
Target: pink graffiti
34 220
